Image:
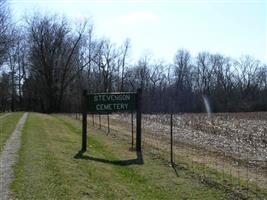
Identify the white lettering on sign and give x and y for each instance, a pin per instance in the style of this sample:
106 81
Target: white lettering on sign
95 98
112 106
104 97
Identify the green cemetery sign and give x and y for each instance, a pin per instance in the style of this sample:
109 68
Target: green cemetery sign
105 103
111 102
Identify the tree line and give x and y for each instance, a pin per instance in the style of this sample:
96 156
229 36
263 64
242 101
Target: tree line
46 62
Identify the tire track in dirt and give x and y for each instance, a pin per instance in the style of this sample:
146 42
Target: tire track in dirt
8 158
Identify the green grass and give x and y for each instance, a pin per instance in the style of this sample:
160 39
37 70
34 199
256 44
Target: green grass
47 167
7 126
2 113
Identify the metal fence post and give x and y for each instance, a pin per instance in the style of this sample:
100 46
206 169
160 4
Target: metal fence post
132 130
171 141
138 120
108 124
99 118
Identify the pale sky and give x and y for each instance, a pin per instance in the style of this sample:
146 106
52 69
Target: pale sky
230 27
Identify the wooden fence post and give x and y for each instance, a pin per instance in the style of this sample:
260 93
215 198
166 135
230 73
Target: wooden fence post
171 142
84 120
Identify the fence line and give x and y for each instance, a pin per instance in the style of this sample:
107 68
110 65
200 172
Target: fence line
242 171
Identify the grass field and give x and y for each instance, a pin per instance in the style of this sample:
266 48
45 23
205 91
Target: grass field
7 125
51 167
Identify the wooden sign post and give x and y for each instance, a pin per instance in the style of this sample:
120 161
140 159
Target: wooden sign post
106 103
84 120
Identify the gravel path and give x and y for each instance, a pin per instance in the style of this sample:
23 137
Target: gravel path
8 157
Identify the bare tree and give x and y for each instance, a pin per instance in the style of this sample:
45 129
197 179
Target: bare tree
16 66
5 36
5 92
54 58
182 68
248 80
124 52
222 81
203 73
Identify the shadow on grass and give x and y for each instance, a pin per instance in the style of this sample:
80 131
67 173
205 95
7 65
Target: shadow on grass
137 161
173 165
177 168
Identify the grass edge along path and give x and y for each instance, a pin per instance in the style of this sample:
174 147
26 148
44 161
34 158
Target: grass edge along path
8 124
8 158
50 168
